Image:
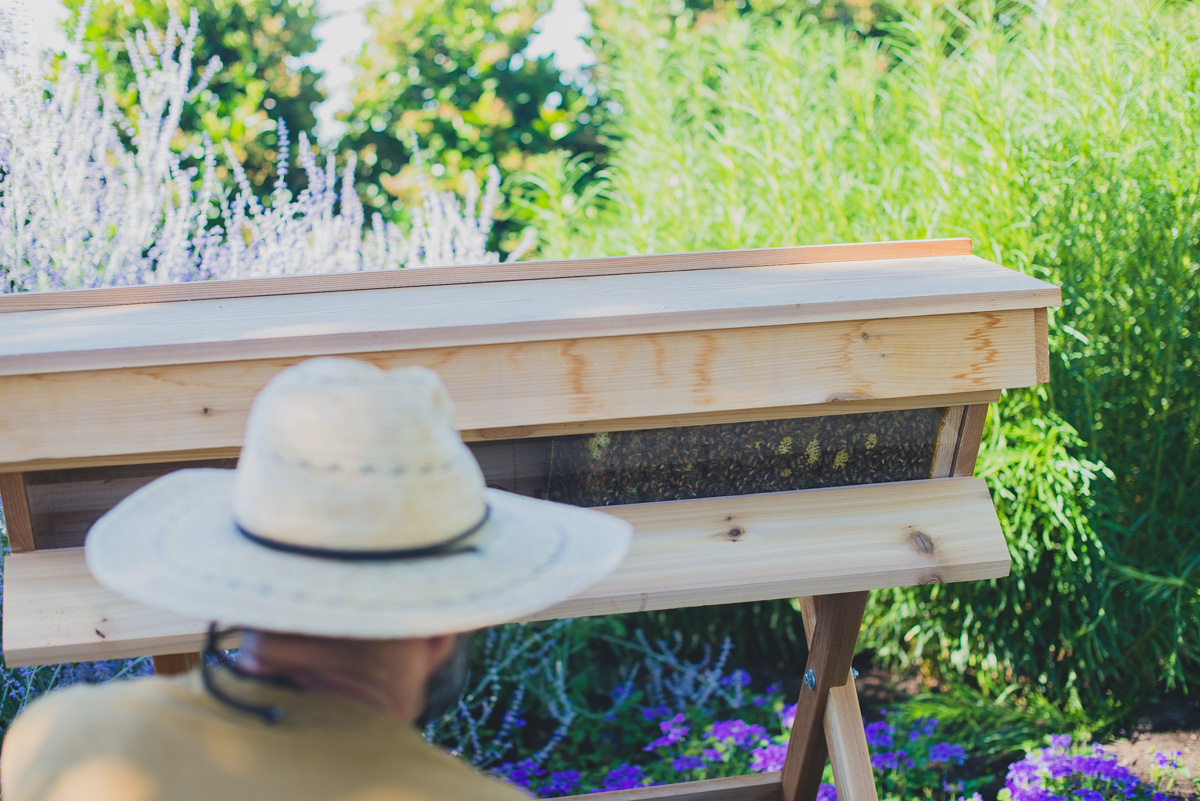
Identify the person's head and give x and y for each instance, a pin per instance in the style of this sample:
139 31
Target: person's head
358 521
413 679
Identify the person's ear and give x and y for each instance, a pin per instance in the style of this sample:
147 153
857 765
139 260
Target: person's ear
438 650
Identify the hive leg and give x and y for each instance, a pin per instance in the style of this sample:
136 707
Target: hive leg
836 620
175 664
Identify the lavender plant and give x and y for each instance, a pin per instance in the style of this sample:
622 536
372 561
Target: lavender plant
513 665
88 199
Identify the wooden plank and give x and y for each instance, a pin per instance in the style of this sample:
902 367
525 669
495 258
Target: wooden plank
481 273
685 553
565 429
289 326
64 504
752 787
203 407
947 443
839 617
1041 345
848 753
969 441
843 726
17 520
176 664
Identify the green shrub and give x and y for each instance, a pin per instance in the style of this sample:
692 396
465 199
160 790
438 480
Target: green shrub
1062 138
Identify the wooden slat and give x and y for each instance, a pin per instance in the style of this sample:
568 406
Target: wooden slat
63 504
204 406
969 441
685 553
565 429
1041 345
482 273
519 312
752 787
843 725
848 754
947 443
16 512
838 619
175 664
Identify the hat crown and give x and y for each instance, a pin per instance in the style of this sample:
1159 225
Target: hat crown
341 455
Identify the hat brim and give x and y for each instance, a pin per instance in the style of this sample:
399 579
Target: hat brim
173 544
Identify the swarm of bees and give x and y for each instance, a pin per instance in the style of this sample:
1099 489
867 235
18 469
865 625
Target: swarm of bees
709 461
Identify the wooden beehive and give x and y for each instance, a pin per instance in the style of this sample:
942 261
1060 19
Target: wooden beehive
782 422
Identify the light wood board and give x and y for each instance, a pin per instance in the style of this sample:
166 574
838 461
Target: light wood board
974 419
685 553
287 326
18 522
200 407
511 433
481 273
752 787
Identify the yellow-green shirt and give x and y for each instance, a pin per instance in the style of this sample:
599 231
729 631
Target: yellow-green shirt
167 739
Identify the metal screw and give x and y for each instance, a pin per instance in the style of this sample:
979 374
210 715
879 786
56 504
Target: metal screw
854 672
810 681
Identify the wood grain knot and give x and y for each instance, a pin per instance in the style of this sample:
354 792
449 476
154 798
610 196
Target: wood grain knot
207 412
921 542
735 533
932 579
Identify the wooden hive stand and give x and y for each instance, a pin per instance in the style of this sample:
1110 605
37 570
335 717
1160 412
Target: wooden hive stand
790 422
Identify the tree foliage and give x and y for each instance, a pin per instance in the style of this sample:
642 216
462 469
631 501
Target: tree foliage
452 75
258 82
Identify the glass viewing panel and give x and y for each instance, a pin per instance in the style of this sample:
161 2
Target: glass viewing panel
707 461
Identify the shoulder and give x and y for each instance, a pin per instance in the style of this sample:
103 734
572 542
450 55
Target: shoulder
449 777
73 724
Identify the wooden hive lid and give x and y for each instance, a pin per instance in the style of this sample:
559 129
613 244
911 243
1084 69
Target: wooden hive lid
398 310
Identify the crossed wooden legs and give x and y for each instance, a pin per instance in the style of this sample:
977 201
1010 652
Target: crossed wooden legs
828 721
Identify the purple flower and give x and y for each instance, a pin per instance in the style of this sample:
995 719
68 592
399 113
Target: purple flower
713 755
738 678
673 731
891 760
772 689
1167 761
827 792
654 712
683 763
788 716
767 758
520 773
945 752
562 782
625 777
742 734
879 734
1062 741
1090 795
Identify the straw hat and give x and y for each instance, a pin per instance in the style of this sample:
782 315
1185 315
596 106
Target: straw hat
355 511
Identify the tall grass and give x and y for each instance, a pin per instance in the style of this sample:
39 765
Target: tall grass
1063 139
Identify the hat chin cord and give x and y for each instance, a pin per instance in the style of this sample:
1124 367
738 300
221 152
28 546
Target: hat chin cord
268 714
